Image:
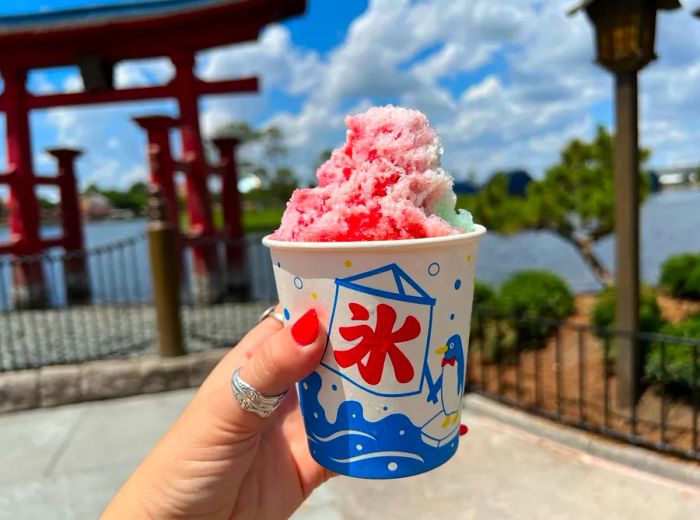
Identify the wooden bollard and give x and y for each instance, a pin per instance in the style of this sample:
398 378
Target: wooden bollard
163 251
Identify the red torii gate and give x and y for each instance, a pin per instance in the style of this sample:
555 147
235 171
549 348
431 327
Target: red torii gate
95 39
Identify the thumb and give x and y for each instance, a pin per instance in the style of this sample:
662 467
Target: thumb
284 358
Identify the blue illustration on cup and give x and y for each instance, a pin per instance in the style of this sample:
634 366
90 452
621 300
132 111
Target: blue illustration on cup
388 414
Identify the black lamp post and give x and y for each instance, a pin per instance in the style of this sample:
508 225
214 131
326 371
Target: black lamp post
625 33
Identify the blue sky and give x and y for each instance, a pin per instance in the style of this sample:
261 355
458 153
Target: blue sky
505 84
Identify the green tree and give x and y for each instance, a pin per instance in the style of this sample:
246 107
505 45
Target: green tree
574 200
278 179
45 203
323 156
241 130
270 141
134 198
91 189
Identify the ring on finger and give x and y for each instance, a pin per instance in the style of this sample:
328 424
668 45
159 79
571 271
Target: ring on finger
251 399
270 312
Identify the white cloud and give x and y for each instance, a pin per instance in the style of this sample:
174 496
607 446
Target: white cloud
381 59
39 83
521 114
452 59
280 66
273 57
669 92
140 73
114 147
73 83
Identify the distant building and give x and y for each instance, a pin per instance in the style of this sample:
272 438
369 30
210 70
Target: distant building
465 188
95 206
518 180
677 176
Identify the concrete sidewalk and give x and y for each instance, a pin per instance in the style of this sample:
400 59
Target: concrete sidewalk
66 463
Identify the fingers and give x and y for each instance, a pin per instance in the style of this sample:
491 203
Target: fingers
285 357
256 336
274 359
279 360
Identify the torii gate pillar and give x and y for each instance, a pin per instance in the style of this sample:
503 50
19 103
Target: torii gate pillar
75 271
28 289
237 283
206 261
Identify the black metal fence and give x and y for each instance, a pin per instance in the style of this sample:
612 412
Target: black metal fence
220 318
568 374
119 318
115 321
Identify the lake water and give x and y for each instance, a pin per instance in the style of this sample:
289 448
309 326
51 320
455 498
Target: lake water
670 225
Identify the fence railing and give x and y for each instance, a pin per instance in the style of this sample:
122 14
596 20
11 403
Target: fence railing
118 319
568 374
115 322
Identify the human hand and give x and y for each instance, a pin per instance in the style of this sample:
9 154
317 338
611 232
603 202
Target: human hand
220 461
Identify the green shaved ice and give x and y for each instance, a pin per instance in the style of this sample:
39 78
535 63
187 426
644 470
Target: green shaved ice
462 219
458 218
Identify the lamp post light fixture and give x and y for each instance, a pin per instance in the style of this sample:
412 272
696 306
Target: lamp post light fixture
625 33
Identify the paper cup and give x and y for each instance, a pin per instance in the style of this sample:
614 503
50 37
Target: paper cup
385 402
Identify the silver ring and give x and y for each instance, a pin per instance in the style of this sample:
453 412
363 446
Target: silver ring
251 400
271 313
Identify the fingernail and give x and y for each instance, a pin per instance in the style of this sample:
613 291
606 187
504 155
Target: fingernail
305 330
463 429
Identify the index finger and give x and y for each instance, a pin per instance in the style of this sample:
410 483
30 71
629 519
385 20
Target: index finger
255 337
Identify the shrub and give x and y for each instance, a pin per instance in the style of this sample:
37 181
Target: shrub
497 340
680 275
603 317
484 296
484 335
677 358
536 295
603 314
692 284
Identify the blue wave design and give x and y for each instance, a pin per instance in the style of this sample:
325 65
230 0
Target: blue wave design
389 448
340 433
381 454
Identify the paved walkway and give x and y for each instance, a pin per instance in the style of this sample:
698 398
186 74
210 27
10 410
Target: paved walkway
66 463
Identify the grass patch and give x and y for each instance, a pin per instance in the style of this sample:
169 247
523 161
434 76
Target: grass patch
262 219
254 221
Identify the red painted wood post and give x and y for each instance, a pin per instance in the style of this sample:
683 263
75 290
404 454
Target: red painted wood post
75 271
28 289
206 262
162 171
161 161
237 283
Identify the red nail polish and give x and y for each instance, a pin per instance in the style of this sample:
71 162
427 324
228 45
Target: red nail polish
305 330
463 429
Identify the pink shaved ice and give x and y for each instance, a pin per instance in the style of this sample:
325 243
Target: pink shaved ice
383 183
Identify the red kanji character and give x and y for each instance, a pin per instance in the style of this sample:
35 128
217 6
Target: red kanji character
378 343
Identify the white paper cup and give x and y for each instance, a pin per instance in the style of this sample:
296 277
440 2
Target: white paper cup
385 402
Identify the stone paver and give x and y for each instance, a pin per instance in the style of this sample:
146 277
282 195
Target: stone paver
68 462
75 334
503 473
